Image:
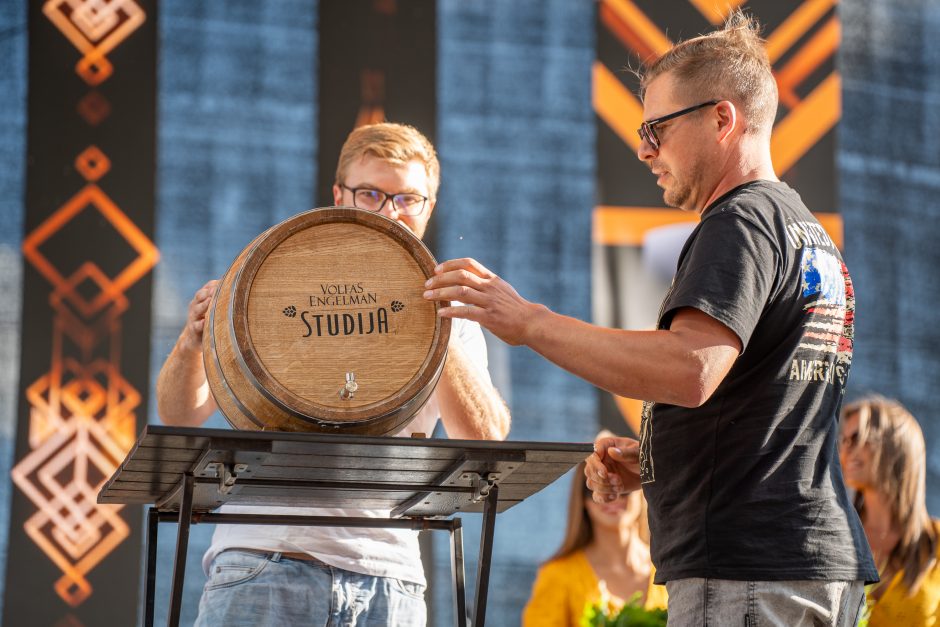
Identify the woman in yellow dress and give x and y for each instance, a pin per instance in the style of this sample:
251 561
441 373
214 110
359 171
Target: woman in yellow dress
604 559
884 460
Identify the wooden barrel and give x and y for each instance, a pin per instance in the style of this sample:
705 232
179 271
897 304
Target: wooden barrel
320 325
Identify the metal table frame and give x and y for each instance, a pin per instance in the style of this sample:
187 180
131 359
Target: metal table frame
184 485
186 517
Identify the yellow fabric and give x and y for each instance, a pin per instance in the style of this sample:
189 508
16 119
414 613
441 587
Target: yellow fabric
564 587
895 608
656 596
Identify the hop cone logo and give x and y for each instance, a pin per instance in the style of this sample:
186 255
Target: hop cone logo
397 306
290 311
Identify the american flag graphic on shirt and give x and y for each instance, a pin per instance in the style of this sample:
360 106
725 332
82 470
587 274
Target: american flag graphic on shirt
826 347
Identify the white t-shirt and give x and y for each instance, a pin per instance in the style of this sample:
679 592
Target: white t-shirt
379 552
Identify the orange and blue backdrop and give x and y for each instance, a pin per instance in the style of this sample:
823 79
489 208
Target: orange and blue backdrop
144 144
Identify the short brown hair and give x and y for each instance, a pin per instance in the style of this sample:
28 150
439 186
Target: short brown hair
388 141
726 64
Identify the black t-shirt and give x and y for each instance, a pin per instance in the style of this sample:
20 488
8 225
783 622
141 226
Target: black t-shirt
748 486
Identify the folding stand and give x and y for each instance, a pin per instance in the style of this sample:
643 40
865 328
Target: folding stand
187 473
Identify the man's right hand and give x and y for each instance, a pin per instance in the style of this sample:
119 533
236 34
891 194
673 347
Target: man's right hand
486 299
191 338
613 469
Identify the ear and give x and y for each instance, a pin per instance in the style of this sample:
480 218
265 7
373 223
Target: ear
727 119
337 195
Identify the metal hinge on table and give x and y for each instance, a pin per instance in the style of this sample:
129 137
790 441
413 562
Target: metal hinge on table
227 474
481 484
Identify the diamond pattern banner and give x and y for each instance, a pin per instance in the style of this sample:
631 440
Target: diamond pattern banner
86 310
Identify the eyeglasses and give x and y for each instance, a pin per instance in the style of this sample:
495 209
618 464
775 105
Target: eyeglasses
373 200
647 130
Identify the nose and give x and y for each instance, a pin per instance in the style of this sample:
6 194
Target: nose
645 151
389 210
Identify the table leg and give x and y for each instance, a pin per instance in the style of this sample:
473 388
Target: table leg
182 543
152 524
456 564
486 551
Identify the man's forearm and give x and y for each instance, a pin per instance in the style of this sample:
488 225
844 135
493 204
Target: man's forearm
183 397
471 408
680 366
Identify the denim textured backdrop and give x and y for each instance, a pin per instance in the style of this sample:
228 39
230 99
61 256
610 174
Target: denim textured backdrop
889 164
12 190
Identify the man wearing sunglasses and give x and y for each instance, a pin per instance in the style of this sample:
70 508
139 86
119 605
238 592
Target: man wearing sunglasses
288 575
743 377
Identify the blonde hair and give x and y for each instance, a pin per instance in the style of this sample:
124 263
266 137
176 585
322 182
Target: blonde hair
726 64
395 143
579 532
899 469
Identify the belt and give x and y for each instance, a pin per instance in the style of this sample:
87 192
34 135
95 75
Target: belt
304 557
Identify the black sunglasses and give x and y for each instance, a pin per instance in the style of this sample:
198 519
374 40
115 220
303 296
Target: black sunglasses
647 130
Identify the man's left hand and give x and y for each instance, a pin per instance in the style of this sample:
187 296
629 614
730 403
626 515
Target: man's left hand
613 469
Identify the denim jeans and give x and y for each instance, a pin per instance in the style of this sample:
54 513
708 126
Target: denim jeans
698 602
259 590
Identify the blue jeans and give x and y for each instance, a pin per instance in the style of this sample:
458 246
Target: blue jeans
258 590
696 602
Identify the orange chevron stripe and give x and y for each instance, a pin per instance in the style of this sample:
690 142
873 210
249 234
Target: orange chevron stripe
614 103
795 26
820 47
715 11
627 226
806 124
628 14
625 33
631 410
833 224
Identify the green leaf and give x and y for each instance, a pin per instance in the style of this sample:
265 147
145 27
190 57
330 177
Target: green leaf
632 614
